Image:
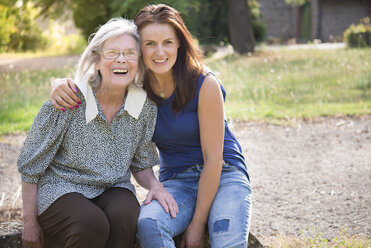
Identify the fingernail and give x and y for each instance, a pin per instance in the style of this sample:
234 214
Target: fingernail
71 108
79 102
77 106
63 109
75 90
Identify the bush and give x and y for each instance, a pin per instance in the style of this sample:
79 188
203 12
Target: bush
258 26
359 35
7 27
60 42
18 29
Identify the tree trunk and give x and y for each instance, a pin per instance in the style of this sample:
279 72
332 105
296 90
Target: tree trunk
240 28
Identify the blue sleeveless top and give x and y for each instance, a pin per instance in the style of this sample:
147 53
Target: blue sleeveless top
177 137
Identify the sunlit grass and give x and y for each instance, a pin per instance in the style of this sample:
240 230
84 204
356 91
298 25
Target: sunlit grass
317 240
284 84
270 85
21 96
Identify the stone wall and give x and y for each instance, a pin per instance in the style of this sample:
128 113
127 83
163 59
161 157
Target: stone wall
330 18
337 15
279 19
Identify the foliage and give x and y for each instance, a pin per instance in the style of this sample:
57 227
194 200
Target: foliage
60 41
7 27
359 35
206 19
209 21
18 29
88 15
258 26
297 2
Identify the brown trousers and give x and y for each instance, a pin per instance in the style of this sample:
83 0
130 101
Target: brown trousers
109 220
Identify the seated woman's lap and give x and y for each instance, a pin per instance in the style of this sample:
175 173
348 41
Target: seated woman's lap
229 217
156 228
76 221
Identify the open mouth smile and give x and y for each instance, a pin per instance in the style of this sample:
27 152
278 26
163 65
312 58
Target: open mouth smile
160 60
120 71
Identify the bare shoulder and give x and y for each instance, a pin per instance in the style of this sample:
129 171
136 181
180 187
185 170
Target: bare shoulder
210 87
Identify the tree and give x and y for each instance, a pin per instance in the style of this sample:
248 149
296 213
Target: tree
89 14
240 28
207 19
18 29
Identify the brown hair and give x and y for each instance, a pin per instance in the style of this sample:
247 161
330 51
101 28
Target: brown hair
188 64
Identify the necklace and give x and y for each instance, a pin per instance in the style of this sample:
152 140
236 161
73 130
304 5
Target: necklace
162 94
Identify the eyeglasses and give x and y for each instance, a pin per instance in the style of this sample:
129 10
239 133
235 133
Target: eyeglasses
112 54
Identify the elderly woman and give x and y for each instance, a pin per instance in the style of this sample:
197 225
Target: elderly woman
75 165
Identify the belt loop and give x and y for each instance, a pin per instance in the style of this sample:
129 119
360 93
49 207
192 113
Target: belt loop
199 167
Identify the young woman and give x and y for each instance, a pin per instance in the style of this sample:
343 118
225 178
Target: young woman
75 165
201 163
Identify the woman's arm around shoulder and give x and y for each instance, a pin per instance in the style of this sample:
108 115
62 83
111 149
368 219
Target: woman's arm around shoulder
63 94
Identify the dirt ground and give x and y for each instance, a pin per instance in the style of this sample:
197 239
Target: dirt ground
305 176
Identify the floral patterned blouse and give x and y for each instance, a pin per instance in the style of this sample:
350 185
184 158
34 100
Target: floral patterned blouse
63 154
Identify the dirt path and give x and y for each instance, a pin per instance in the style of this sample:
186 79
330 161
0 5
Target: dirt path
12 64
310 175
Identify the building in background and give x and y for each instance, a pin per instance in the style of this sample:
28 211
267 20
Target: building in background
325 20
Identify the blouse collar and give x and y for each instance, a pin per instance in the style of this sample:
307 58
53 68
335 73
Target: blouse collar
134 101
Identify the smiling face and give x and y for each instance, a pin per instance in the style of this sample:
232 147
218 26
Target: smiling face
119 72
159 47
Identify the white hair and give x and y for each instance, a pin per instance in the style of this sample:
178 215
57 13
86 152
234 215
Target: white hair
90 57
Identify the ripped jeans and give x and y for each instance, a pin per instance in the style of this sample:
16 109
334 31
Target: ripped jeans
229 217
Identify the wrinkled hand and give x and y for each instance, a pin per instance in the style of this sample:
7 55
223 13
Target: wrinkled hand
63 94
166 200
32 235
194 236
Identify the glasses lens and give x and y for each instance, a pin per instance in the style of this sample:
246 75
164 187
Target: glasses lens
110 54
131 54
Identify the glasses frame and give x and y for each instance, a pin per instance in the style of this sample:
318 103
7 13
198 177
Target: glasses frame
118 53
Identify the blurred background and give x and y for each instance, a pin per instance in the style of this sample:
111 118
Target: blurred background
62 27
279 59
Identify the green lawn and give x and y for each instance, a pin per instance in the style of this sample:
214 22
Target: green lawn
285 84
21 96
269 85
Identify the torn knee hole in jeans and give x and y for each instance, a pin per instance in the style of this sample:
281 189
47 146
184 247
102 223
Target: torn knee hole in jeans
221 226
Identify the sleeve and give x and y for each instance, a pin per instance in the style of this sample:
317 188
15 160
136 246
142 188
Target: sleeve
42 142
146 155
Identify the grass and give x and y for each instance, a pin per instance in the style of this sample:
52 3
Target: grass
270 85
317 240
21 96
285 84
